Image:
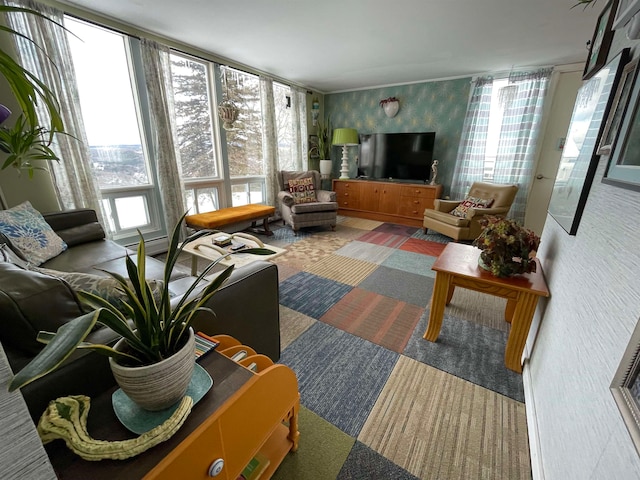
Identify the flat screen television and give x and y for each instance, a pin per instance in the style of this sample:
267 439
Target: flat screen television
396 156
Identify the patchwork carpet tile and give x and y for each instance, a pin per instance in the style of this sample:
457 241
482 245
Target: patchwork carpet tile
310 251
292 325
437 426
431 236
310 294
383 238
342 231
382 320
346 270
322 450
469 351
359 223
407 287
339 375
395 229
365 251
286 270
482 308
364 463
424 247
411 262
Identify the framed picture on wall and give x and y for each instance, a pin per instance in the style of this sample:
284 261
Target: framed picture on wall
618 108
579 159
625 387
623 169
626 10
601 40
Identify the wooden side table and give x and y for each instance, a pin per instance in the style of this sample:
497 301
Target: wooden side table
457 266
241 415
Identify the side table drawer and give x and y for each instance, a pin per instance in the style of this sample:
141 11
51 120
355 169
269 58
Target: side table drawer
413 206
420 192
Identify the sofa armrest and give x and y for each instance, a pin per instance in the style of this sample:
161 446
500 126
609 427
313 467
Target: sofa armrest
477 213
444 205
247 308
286 198
76 226
326 196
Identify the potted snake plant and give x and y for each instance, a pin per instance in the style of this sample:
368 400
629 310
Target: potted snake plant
157 338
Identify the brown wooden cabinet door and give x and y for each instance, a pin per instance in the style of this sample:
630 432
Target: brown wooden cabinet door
389 198
369 196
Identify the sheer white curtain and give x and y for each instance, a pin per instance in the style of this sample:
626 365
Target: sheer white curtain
73 176
269 139
300 150
157 72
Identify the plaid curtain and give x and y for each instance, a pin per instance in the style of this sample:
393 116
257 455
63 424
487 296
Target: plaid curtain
471 152
522 101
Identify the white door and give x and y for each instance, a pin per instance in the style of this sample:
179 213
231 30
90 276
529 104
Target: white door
555 130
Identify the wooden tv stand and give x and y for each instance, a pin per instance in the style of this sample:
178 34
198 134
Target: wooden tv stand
242 414
395 202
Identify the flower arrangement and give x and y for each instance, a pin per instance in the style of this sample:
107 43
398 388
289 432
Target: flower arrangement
388 100
507 247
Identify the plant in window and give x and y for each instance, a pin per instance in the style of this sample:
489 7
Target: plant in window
507 247
324 139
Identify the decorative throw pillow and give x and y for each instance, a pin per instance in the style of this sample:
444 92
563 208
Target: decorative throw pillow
470 202
104 287
29 233
302 190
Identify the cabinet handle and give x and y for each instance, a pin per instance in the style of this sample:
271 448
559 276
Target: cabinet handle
216 467
416 202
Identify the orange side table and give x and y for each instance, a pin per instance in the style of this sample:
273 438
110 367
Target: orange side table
457 266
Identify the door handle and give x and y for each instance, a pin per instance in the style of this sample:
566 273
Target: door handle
540 176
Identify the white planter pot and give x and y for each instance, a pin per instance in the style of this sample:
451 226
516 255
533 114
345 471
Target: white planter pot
325 168
160 385
391 109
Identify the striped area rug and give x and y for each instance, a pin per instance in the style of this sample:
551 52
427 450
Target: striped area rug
342 269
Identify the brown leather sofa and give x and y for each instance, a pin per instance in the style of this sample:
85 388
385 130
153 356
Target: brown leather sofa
246 307
468 227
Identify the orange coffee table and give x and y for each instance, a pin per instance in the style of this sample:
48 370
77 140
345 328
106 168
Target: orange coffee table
457 266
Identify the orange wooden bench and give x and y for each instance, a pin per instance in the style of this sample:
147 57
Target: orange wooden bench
231 215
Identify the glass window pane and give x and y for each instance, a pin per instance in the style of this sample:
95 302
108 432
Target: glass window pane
108 105
132 212
189 202
190 80
255 192
208 200
244 141
240 195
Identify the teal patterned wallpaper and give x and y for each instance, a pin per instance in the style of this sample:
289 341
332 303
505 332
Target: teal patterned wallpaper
424 107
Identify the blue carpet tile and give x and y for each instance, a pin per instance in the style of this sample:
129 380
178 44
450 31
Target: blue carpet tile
467 350
405 286
340 376
411 262
364 463
310 294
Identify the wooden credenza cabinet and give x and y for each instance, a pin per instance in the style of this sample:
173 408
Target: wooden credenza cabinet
402 203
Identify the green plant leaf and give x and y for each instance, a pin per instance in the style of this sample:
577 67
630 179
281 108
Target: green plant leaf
56 350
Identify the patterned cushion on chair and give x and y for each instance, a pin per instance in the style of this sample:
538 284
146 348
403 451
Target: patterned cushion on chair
470 202
302 189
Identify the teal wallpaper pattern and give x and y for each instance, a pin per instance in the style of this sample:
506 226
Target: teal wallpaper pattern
424 107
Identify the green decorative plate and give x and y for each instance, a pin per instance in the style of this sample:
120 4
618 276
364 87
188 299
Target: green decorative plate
139 420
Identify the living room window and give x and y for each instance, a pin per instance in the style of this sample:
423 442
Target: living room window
114 127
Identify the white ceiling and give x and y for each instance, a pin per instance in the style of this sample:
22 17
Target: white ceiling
332 45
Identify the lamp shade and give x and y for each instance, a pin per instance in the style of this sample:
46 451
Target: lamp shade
345 136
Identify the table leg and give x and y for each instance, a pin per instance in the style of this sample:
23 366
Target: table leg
450 293
522 316
438 301
509 310
294 434
194 266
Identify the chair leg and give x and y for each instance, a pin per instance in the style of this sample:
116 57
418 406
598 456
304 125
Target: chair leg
425 230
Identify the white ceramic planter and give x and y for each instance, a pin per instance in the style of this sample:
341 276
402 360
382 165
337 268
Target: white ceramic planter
158 386
391 109
325 168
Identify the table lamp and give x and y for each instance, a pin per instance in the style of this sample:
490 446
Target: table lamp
345 137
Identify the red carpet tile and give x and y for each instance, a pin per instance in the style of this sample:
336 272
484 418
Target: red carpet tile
424 247
383 238
379 319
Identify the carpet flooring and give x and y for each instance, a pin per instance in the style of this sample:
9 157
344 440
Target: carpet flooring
379 401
